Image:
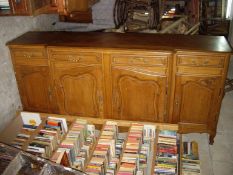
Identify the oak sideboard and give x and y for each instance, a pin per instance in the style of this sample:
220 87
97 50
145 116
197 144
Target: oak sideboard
133 76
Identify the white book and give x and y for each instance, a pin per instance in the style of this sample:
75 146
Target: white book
36 149
30 118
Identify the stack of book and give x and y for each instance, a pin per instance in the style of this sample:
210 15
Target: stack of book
75 148
130 158
104 160
190 159
57 124
147 148
21 139
30 122
48 138
87 140
167 153
119 146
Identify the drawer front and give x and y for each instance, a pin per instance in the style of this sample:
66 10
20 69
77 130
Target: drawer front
76 56
32 62
199 70
140 60
29 53
201 61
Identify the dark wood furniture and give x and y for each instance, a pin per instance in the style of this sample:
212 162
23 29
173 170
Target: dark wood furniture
68 10
28 7
75 11
145 77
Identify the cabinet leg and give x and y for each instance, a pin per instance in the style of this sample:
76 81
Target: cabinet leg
211 138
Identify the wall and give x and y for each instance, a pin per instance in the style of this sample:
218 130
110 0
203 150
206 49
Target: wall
12 27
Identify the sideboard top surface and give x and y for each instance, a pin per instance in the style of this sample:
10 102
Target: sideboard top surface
169 42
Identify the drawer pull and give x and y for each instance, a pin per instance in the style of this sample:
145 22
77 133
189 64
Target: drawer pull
138 59
74 58
27 56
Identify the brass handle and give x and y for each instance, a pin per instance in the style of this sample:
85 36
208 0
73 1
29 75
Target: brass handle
27 56
50 94
72 58
100 97
138 59
116 102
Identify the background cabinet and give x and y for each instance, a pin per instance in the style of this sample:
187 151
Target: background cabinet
33 82
139 83
76 11
28 7
33 77
77 82
198 91
124 76
138 95
196 100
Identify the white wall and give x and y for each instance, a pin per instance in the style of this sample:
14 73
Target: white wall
12 27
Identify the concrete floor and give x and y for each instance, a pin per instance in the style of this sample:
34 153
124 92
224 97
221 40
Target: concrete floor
217 159
222 150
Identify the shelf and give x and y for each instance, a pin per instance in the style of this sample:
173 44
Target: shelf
122 126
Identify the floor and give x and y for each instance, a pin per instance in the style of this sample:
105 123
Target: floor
217 159
222 149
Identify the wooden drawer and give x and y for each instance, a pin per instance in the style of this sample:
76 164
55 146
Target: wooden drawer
140 60
29 53
32 62
200 61
76 56
199 70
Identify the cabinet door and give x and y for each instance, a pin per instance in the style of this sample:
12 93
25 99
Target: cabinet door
33 82
138 95
196 99
78 89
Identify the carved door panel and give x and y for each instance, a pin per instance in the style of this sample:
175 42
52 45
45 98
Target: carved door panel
138 95
33 82
196 99
79 89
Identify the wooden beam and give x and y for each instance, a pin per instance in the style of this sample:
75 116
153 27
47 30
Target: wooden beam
194 28
173 25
